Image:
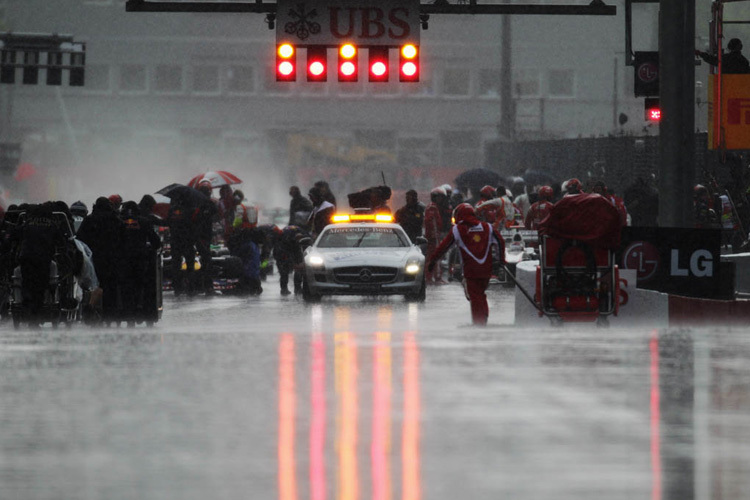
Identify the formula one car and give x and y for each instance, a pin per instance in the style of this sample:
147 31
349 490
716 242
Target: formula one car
520 245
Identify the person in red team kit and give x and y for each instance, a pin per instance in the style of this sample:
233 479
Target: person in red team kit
540 209
487 211
475 239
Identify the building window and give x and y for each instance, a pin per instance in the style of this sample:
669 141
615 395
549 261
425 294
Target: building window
132 78
561 83
526 82
240 79
456 81
168 78
489 83
206 79
97 78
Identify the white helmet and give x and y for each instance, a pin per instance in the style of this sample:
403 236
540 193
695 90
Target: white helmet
447 188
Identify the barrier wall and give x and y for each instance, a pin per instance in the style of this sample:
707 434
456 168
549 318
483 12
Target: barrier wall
742 270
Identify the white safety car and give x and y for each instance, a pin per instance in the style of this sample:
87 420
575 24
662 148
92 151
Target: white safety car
364 254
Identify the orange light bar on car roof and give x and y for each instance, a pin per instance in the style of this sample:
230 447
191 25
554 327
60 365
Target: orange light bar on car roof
362 218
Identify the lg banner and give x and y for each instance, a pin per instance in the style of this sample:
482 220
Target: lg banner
677 261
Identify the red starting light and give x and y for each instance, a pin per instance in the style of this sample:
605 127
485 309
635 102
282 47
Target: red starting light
379 68
317 68
378 64
317 64
408 63
286 68
348 59
286 63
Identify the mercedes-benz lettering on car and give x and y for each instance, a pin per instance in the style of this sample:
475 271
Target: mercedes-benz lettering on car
360 255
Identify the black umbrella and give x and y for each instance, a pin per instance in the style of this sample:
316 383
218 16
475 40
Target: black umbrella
478 177
185 194
167 190
363 199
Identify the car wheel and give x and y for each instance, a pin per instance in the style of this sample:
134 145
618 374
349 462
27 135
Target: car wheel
420 296
307 295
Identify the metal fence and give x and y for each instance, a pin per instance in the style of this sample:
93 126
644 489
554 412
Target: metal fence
617 160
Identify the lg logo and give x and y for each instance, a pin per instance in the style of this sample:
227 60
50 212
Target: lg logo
642 257
701 264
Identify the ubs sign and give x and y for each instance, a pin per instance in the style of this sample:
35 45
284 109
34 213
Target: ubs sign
364 22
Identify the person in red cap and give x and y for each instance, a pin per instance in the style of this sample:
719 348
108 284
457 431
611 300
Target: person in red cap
116 201
486 210
540 209
475 240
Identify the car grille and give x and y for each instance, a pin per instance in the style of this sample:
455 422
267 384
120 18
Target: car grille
360 275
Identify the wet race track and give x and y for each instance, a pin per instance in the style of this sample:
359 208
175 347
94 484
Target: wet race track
269 398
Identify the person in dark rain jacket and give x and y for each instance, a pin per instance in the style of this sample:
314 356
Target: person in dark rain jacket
102 232
732 62
287 252
181 246
321 214
411 216
299 207
139 241
203 218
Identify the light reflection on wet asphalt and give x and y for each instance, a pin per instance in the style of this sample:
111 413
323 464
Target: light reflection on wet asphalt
269 398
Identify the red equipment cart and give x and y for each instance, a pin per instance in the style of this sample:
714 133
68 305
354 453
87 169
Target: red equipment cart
577 279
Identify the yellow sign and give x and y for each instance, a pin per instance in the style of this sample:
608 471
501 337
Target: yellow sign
731 128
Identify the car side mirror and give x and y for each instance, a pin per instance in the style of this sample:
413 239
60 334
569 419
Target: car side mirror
420 240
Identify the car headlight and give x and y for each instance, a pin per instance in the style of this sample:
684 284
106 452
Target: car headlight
316 260
412 267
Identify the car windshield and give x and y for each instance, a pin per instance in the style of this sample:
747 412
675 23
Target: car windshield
363 237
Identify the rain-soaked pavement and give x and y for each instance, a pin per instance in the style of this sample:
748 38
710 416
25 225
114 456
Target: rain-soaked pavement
269 398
